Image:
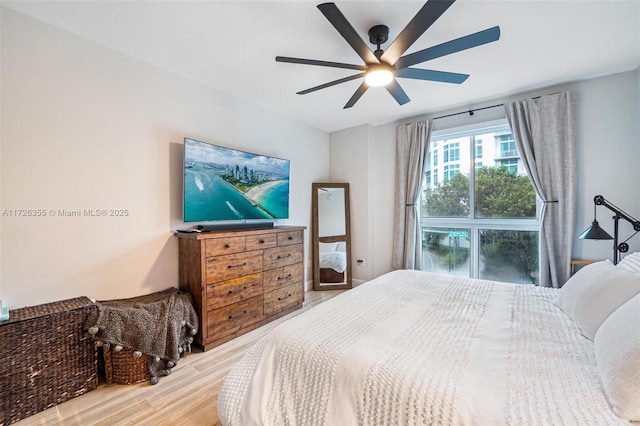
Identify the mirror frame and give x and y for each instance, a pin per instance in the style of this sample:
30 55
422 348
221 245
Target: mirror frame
316 237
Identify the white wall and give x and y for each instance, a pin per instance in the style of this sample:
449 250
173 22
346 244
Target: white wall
350 156
608 153
85 127
382 179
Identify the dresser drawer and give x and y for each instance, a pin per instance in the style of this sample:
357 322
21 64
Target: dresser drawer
283 276
282 256
290 237
228 319
222 246
283 298
222 268
261 241
231 291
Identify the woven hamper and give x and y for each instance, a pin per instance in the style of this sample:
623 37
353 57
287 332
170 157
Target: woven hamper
122 367
46 358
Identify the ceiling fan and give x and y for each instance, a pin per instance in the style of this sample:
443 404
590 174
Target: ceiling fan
383 67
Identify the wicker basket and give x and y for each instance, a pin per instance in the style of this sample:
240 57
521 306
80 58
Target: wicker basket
122 367
46 358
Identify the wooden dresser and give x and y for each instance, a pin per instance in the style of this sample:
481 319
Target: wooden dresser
241 279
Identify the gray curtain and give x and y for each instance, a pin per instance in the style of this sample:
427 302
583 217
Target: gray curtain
545 132
412 144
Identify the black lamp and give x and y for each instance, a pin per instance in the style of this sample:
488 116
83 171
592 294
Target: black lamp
594 232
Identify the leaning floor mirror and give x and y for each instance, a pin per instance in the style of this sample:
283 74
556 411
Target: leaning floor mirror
331 236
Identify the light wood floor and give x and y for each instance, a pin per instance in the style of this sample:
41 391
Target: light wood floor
187 397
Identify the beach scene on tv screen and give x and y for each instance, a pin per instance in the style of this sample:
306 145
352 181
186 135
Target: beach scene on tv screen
226 184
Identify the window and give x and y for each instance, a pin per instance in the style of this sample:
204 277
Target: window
511 165
450 171
507 146
478 154
451 152
481 219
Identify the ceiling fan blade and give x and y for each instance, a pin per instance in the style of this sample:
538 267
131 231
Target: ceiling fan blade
331 83
397 92
320 63
431 75
338 20
463 43
357 95
425 17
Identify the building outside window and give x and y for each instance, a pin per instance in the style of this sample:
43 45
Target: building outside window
511 164
480 218
450 171
451 152
478 154
508 147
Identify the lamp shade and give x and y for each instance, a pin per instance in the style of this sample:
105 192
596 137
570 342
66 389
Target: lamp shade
594 232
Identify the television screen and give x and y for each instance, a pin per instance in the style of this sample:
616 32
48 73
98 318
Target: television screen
223 184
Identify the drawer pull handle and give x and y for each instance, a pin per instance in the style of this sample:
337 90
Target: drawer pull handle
237 266
285 256
261 241
288 277
285 297
240 290
290 238
231 317
227 245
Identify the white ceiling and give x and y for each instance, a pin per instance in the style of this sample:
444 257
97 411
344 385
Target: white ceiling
231 46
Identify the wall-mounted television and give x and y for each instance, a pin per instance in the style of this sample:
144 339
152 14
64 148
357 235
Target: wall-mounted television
224 184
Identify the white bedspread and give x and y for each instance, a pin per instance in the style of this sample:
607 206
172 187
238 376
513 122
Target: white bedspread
336 260
419 348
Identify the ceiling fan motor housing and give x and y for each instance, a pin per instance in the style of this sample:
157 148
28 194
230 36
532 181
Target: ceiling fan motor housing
378 34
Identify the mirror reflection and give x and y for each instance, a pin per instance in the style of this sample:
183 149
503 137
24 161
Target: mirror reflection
331 236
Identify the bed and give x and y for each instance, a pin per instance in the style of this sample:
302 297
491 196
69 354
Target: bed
413 347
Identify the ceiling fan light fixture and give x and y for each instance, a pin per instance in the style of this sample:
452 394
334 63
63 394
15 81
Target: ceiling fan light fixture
379 75
384 67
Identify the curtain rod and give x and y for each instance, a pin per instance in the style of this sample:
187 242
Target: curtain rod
471 111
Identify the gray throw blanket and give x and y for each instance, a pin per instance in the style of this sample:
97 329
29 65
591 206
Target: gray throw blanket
160 325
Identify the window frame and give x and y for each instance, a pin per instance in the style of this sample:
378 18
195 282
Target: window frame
472 223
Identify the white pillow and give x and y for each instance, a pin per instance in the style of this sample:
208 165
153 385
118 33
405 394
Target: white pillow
617 346
631 262
594 292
